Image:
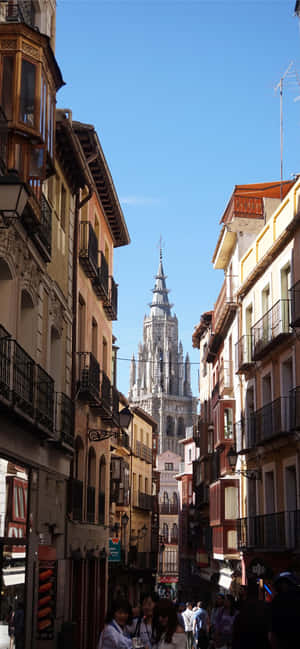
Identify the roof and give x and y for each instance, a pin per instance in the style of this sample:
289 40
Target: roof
103 182
144 415
201 328
276 189
70 153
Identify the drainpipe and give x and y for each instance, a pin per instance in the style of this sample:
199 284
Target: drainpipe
78 206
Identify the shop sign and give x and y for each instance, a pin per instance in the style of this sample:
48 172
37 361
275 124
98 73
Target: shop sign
168 580
114 548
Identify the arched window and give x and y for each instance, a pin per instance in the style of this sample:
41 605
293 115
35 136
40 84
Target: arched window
180 428
166 498
170 426
175 499
6 293
91 484
165 533
174 533
101 493
27 335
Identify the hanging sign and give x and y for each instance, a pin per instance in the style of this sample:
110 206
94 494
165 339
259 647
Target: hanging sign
114 548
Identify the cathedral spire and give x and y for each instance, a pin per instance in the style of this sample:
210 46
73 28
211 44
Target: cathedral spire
160 305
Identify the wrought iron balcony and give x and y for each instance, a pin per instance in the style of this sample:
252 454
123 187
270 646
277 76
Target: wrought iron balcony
65 419
88 250
110 305
271 329
270 421
90 504
295 304
44 399
17 11
101 282
295 408
45 227
115 399
278 531
101 507
23 380
168 508
88 386
5 364
106 394
243 354
121 439
144 501
3 140
75 498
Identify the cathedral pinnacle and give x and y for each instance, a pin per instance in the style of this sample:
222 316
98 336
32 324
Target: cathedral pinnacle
160 305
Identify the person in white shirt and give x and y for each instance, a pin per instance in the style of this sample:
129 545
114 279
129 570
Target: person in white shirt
114 634
188 624
167 632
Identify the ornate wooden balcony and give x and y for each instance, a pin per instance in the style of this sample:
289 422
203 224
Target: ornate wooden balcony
64 425
75 498
271 329
224 539
101 282
110 305
243 354
88 250
278 531
88 385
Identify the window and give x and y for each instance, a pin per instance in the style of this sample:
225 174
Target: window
169 466
170 426
228 423
27 97
231 503
7 85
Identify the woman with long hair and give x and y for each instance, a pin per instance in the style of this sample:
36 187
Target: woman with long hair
114 634
168 634
142 626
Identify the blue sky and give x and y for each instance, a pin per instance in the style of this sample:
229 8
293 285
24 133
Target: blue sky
182 97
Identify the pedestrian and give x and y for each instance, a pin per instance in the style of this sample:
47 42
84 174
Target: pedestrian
187 615
19 626
219 603
285 612
11 629
201 626
251 624
114 634
142 626
224 623
167 632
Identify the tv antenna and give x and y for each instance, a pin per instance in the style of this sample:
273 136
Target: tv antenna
290 77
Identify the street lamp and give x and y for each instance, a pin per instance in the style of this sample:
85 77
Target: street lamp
251 474
13 198
124 522
99 435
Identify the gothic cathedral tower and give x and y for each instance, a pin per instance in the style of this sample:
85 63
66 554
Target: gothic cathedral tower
160 378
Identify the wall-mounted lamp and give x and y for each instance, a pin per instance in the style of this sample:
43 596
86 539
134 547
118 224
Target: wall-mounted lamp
251 474
125 416
13 198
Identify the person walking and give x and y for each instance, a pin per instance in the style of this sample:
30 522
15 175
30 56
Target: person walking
285 612
201 626
251 624
142 626
168 634
224 623
187 615
114 634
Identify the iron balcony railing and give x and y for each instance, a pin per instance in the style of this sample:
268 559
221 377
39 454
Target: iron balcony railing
271 420
90 504
89 376
105 391
75 498
101 282
44 398
168 508
295 304
145 501
146 453
101 507
115 400
17 11
64 418
88 250
110 305
278 531
45 227
23 380
271 328
122 439
5 363
295 408
243 353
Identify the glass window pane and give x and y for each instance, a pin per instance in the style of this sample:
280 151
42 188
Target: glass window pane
16 502
21 502
27 98
7 85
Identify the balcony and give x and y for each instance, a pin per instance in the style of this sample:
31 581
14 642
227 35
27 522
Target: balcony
23 381
226 378
64 425
110 305
146 453
168 508
224 539
278 531
271 329
142 500
243 354
90 504
115 400
121 438
3 140
295 408
215 395
37 219
88 385
44 399
223 314
269 422
88 250
17 11
5 363
75 498
101 282
295 304
143 560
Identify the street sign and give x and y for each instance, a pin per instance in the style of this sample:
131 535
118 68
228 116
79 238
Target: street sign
114 547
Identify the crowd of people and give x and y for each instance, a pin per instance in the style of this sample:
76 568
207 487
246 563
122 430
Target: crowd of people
246 623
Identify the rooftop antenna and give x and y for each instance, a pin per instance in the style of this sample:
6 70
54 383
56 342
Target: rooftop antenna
289 75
